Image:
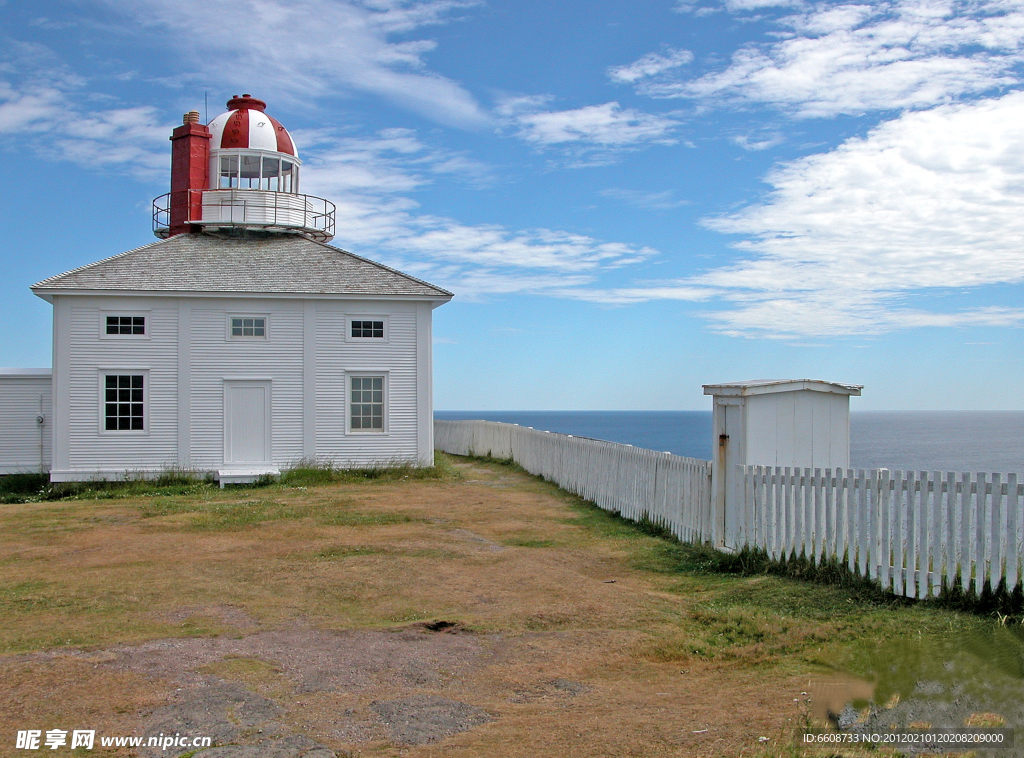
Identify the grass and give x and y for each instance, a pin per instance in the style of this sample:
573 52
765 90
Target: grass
757 611
311 472
552 587
212 515
35 488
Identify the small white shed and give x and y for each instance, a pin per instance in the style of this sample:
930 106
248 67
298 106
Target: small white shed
25 420
799 423
792 422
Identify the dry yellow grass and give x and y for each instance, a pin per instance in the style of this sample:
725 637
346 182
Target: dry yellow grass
567 629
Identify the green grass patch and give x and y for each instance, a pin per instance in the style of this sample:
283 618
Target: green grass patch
213 515
529 542
17 485
35 488
41 614
348 551
667 555
340 552
31 596
313 473
748 608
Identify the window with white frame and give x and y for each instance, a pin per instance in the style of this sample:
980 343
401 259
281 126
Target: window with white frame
248 326
366 403
124 407
260 172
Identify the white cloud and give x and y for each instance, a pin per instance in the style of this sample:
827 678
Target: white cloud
651 64
369 179
31 108
738 6
658 201
854 240
734 6
641 293
762 142
883 233
298 50
607 125
44 107
393 160
857 58
128 138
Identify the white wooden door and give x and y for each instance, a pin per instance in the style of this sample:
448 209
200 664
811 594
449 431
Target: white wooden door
246 422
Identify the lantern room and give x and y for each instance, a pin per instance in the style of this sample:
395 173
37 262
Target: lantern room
238 177
251 150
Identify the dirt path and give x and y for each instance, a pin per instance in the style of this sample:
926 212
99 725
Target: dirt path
471 618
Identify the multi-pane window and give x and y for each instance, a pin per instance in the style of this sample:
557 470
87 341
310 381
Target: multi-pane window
124 404
228 171
366 406
258 172
250 172
246 326
126 324
372 329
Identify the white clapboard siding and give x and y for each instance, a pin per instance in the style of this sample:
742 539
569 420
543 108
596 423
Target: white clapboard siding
189 357
913 532
92 451
669 490
338 358
216 357
25 444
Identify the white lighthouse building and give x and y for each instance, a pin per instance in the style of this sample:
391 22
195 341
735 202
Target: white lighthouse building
237 344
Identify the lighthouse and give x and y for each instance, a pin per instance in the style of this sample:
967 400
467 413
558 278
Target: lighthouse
237 344
238 176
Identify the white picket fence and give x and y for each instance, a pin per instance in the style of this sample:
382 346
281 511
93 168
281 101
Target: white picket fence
669 490
910 531
913 532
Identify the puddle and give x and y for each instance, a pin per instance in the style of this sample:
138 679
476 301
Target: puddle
973 678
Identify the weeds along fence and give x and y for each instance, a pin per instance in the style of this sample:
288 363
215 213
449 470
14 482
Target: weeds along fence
669 490
913 532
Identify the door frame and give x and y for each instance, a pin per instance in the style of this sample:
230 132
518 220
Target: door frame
730 447
267 384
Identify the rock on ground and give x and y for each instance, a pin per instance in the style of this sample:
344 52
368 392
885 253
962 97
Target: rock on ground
421 719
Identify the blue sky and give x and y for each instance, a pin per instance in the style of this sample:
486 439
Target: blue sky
628 199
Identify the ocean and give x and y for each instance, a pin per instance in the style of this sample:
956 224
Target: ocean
989 441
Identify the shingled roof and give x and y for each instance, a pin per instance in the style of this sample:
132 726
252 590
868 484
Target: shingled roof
275 265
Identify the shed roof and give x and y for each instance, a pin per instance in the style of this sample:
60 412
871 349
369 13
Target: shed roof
767 386
275 265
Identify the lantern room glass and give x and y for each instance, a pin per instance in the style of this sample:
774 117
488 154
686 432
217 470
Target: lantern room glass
250 173
260 172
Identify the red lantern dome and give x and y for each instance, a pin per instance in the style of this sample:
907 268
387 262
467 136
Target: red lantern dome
246 126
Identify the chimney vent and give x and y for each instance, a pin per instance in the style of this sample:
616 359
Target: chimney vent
192 117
